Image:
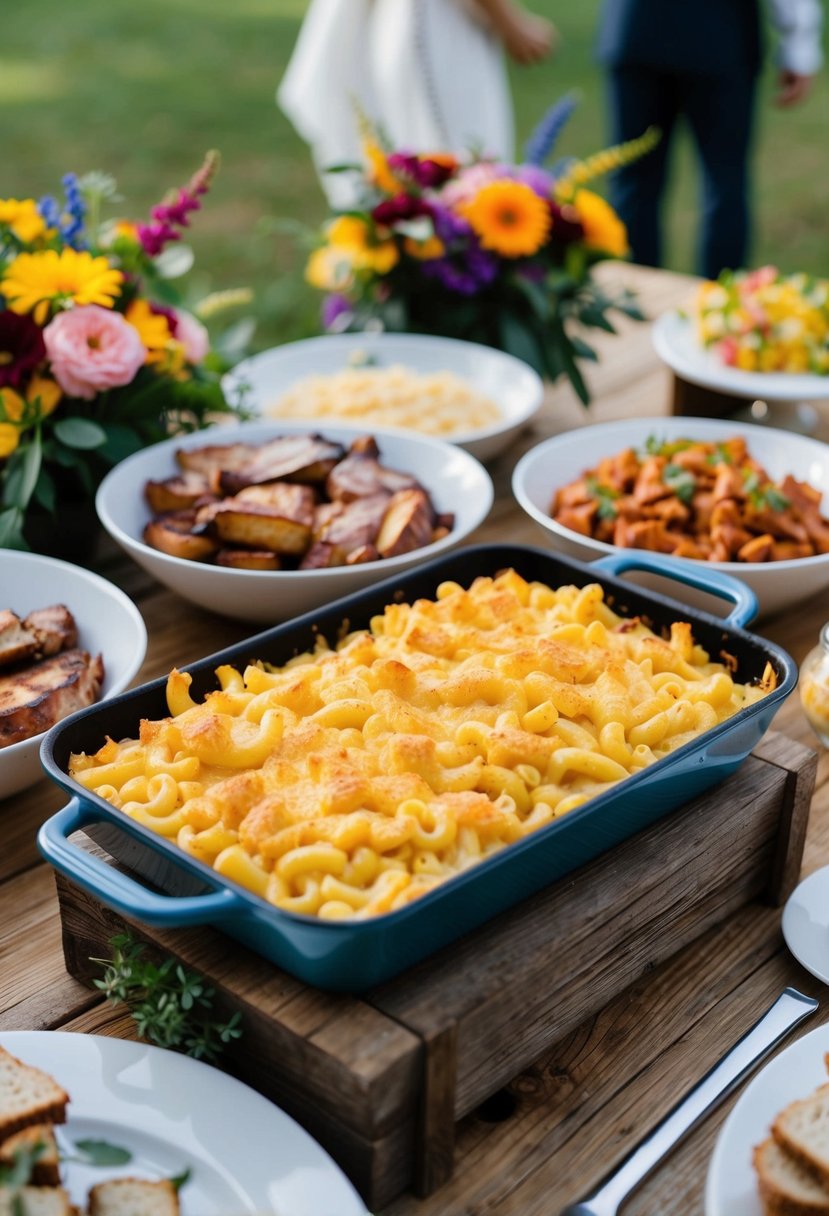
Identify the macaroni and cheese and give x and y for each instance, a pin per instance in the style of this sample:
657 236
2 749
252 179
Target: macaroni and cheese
436 403
352 780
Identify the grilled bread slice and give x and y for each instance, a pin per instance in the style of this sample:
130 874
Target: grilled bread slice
46 1168
133 1197
802 1128
36 697
27 1096
787 1188
35 1201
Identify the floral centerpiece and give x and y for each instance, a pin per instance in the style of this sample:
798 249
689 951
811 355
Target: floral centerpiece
476 249
97 358
766 321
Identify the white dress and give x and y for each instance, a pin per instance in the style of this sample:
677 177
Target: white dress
429 73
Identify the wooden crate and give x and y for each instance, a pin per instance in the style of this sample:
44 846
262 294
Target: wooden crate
381 1079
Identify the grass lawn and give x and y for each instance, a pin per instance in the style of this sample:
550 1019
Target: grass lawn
141 89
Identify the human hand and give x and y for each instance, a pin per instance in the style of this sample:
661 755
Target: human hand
527 38
792 88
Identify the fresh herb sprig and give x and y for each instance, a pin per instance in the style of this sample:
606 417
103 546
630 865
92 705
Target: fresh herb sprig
680 482
171 1007
762 496
604 496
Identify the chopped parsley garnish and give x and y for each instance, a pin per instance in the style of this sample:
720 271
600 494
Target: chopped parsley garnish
765 496
720 455
664 447
604 496
680 481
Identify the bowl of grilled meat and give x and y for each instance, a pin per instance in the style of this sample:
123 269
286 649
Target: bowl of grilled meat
68 638
264 521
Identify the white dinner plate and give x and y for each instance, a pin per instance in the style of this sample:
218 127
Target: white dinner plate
806 923
175 1113
731 1187
676 344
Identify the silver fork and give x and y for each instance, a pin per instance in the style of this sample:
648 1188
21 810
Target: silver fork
781 1018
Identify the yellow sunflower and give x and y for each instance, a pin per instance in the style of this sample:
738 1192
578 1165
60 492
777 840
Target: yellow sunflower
602 227
23 218
351 246
35 281
509 218
41 390
153 329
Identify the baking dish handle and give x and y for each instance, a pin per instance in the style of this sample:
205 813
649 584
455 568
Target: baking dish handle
118 890
693 574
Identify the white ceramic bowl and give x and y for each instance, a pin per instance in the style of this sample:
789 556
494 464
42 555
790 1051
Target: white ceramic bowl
561 459
454 479
108 623
511 384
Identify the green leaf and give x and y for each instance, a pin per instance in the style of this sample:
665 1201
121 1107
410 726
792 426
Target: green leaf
45 494
680 481
101 1152
776 499
30 465
11 529
80 433
519 340
582 351
121 441
178 1180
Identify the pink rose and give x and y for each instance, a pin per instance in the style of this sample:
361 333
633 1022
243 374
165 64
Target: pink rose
192 335
92 349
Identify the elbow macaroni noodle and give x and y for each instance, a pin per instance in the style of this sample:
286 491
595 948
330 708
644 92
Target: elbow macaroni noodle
352 780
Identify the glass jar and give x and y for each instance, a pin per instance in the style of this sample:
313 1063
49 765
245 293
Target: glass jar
814 687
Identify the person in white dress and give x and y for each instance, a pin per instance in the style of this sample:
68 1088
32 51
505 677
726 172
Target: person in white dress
429 73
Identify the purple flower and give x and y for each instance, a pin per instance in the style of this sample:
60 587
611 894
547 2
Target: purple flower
537 179
21 348
68 220
335 309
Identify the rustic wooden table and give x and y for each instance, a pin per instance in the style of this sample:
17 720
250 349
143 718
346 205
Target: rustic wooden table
583 1107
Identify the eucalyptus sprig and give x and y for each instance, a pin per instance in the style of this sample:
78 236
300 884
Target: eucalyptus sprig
171 1007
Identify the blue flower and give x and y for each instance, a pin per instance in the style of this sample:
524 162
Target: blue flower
545 136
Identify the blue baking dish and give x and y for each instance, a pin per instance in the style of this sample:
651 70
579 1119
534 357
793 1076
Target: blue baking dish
168 887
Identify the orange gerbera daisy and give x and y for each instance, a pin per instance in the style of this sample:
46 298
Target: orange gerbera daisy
509 218
34 282
602 227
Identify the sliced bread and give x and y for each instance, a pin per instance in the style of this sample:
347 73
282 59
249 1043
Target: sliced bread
27 1096
133 1197
46 1168
787 1188
35 1201
802 1128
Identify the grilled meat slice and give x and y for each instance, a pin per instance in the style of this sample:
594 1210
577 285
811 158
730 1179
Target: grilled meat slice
361 475
302 458
43 632
36 697
54 628
17 642
177 493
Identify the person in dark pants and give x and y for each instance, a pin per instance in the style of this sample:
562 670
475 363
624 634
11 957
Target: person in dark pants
697 59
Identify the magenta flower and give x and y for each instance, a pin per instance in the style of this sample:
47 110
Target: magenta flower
422 170
21 348
173 213
400 207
